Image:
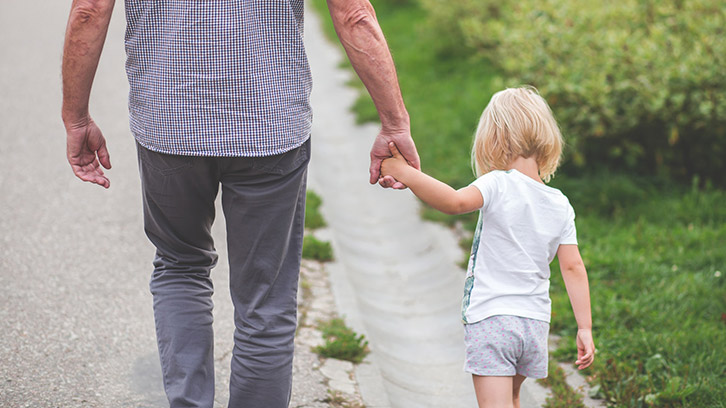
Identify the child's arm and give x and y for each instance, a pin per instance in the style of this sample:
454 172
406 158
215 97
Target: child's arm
433 192
575 277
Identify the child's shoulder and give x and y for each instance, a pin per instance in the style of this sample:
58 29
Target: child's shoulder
493 175
490 181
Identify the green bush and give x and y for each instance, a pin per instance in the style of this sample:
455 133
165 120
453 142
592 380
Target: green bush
342 342
634 84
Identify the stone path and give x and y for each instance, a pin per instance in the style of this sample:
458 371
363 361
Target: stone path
318 380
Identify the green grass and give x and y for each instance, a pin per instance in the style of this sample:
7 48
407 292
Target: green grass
562 395
656 270
313 218
655 251
314 248
342 342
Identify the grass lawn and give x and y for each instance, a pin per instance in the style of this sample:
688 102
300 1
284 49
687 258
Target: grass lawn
655 251
656 257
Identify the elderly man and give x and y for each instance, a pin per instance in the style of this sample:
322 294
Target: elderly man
219 95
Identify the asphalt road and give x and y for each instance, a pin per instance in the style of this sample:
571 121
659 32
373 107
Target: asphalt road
76 323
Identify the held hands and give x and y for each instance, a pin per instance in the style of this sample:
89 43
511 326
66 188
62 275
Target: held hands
380 151
86 151
585 349
394 166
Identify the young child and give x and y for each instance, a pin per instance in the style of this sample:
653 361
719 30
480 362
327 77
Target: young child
523 224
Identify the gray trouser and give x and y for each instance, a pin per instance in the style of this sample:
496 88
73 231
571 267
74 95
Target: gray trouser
263 199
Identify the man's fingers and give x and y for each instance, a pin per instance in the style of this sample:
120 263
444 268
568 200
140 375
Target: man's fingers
103 157
95 179
102 181
375 170
408 150
386 181
390 182
91 173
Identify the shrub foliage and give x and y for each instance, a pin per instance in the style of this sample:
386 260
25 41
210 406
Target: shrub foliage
636 84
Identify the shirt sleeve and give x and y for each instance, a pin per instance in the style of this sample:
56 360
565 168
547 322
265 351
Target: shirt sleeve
569 233
487 185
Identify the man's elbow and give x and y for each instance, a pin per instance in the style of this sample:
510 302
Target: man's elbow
353 15
87 11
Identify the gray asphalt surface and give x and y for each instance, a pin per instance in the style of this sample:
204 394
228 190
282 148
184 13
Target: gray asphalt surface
76 324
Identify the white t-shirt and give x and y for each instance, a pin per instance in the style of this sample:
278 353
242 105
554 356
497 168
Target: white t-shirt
521 226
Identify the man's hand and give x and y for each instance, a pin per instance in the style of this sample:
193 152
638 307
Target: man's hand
86 151
357 27
381 151
85 34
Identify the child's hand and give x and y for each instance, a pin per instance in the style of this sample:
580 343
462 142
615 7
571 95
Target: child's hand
585 349
394 166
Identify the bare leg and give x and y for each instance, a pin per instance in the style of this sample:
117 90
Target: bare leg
493 392
516 386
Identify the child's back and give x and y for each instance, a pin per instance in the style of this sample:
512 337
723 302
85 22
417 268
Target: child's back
522 224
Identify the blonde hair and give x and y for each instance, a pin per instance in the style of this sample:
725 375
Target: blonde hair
517 122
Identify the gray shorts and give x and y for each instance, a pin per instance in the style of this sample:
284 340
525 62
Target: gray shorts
503 346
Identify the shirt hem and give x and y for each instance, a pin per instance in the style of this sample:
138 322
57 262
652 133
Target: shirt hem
202 153
473 318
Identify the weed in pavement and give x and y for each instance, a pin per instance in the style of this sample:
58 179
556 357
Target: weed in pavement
314 248
313 218
341 342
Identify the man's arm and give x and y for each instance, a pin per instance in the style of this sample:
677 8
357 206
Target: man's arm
85 35
361 36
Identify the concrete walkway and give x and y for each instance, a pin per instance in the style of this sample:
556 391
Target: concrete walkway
396 278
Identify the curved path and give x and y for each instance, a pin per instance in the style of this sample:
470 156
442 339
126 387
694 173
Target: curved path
396 278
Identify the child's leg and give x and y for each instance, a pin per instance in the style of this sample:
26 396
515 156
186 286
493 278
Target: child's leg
494 392
516 386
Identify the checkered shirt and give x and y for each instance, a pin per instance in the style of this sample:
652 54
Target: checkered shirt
218 77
